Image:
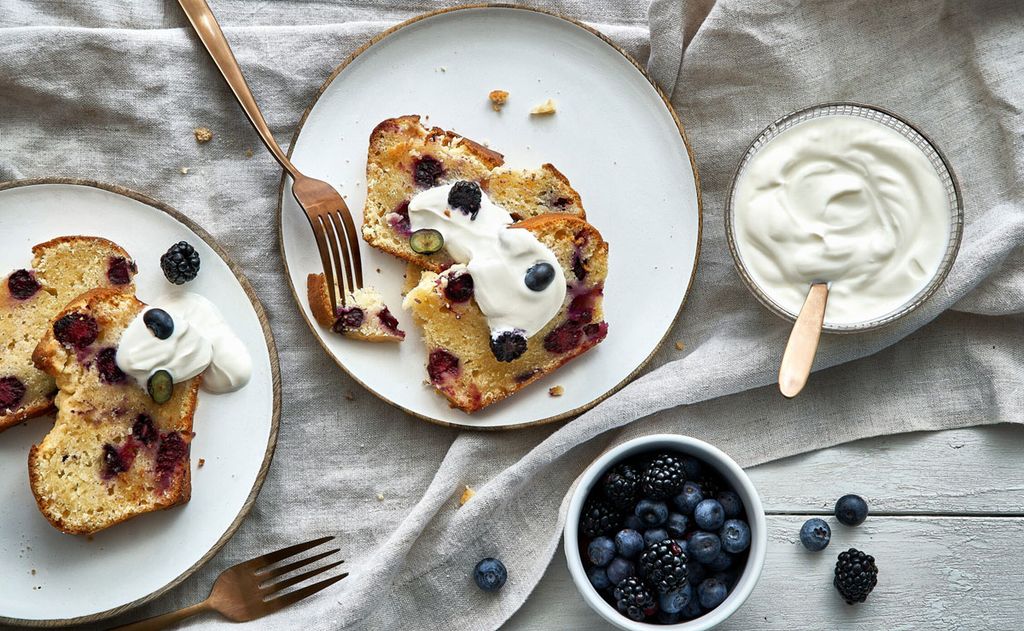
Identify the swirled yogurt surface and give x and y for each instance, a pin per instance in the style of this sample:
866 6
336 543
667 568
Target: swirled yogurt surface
201 342
497 257
843 200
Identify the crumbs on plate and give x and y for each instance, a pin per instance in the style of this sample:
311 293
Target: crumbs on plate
556 391
498 99
544 109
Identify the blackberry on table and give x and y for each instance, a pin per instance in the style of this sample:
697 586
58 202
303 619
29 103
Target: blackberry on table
620 485
180 263
634 599
599 518
856 575
663 566
663 477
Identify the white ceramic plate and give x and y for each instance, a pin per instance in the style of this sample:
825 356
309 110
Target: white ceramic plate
614 136
52 578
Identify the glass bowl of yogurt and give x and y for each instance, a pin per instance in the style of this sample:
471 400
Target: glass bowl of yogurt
849 195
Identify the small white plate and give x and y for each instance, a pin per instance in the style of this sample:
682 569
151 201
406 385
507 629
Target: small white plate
50 578
614 136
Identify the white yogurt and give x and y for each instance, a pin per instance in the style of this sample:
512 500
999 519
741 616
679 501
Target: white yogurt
497 257
844 200
201 343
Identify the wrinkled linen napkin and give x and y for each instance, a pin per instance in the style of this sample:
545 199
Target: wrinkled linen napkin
112 91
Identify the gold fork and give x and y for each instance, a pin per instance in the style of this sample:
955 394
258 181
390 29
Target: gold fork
327 212
241 592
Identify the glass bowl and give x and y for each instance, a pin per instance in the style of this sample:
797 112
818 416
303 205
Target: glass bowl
908 131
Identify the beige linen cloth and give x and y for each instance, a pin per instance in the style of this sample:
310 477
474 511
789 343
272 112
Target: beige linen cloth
112 91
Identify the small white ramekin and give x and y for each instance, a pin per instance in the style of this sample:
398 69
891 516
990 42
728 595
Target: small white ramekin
729 470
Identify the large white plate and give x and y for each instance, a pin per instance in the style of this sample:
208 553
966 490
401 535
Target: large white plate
52 578
614 136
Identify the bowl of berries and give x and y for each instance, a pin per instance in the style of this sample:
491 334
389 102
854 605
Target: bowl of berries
665 531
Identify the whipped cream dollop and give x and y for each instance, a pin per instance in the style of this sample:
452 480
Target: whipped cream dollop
844 200
201 342
496 256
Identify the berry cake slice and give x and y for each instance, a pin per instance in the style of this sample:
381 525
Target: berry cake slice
364 317
62 269
113 452
472 370
405 158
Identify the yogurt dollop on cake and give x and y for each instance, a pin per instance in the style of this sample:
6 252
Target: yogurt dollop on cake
847 201
516 280
198 341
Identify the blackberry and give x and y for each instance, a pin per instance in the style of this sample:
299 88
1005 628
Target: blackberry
711 484
426 171
22 284
663 478
120 270
564 338
663 566
180 263
599 518
441 365
856 575
76 330
106 365
465 197
459 287
508 346
12 391
634 599
348 318
620 485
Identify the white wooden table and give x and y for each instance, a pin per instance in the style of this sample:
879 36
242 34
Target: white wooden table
946 529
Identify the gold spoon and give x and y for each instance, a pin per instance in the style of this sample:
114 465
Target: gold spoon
803 342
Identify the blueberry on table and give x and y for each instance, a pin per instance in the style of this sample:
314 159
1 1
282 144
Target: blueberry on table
651 513
735 536
490 574
688 498
629 543
815 534
712 593
709 515
601 551
704 547
619 569
851 510
159 322
180 263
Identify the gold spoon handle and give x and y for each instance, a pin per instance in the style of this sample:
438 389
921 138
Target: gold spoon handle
803 342
206 26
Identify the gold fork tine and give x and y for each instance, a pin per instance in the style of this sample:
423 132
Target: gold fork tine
325 260
265 574
298 578
283 553
290 598
341 254
353 245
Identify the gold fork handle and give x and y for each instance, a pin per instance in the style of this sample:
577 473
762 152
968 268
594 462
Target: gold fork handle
164 620
206 26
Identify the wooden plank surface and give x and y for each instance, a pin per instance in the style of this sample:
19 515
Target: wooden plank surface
947 508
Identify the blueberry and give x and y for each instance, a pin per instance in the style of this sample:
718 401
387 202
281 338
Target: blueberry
735 535
731 503
851 510
684 544
711 593
601 551
632 522
619 569
709 515
673 602
160 386
688 499
159 322
692 609
721 562
655 535
598 577
695 572
629 543
540 276
815 534
691 467
651 513
704 547
677 524
490 574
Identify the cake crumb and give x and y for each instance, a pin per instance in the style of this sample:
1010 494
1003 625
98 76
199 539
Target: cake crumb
547 107
248 153
184 170
466 495
556 391
380 497
203 134
202 461
680 346
34 570
498 99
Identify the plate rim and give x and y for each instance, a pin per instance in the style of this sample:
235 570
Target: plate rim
686 145
275 372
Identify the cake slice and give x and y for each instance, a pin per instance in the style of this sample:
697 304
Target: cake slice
405 158
62 269
113 453
461 364
364 316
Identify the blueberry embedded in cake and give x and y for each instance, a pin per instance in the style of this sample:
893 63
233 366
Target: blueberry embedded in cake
364 315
